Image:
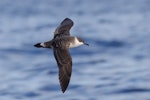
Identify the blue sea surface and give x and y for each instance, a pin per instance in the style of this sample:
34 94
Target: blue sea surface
116 65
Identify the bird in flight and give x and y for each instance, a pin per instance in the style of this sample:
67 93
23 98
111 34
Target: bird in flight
60 44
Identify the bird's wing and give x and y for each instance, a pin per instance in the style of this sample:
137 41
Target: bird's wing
64 28
64 62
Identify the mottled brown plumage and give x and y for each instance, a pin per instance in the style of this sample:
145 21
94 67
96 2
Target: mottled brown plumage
62 55
61 43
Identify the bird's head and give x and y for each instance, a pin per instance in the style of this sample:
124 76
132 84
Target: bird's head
82 41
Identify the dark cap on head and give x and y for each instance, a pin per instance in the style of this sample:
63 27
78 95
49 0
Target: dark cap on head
81 40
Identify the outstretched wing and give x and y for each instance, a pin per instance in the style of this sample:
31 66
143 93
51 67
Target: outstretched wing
64 62
64 28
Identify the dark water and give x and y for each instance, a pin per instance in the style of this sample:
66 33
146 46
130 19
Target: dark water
116 65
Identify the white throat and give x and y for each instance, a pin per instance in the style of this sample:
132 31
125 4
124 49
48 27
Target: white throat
76 43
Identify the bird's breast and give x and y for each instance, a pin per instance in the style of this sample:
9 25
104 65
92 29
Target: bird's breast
75 43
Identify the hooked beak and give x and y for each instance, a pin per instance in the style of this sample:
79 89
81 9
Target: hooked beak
86 44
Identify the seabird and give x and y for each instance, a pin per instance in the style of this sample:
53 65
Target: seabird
60 44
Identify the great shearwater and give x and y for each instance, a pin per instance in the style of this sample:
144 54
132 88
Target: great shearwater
60 44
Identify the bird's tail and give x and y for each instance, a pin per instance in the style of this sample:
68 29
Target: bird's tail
44 45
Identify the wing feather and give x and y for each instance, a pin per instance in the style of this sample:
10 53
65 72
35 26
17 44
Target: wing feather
64 28
64 62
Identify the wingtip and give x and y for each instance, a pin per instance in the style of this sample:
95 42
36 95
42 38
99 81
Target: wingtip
67 18
63 91
64 85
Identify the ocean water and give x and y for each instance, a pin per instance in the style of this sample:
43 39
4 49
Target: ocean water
116 65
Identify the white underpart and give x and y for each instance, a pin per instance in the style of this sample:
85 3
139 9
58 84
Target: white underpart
75 44
42 44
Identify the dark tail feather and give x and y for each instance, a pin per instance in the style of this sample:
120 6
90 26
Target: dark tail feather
44 45
38 45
